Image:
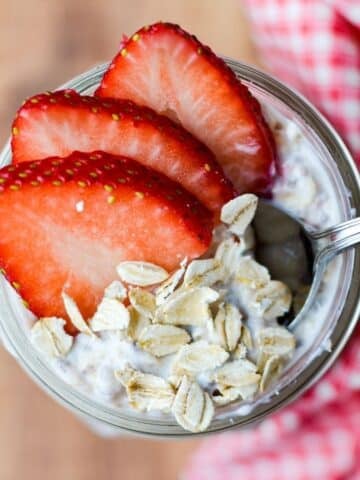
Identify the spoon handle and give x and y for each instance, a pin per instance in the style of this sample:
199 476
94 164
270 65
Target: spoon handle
332 241
326 245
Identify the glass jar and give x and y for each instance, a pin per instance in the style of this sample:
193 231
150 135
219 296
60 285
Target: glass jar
338 325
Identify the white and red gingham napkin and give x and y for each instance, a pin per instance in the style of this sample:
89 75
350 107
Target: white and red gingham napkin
313 45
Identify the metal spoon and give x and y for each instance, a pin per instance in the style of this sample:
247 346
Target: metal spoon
297 255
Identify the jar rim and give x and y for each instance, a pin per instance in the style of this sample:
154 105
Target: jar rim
81 404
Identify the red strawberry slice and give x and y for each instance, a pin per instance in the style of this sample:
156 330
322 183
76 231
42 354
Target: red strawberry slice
69 222
169 70
61 122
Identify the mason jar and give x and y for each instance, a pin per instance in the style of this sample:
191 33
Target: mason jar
339 318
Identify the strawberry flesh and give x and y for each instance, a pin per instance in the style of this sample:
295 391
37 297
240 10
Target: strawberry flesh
69 222
56 124
169 70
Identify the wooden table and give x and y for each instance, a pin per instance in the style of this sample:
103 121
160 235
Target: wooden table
42 44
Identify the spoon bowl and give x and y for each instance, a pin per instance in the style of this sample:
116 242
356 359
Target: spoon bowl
298 255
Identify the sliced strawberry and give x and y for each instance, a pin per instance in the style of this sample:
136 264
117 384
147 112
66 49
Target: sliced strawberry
169 70
61 122
70 221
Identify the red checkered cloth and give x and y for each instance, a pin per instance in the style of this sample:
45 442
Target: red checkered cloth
313 45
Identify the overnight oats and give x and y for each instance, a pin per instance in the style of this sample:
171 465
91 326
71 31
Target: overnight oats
131 242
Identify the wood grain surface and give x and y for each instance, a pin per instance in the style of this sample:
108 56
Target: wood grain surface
42 44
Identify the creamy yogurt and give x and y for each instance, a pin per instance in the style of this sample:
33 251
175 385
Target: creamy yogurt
306 191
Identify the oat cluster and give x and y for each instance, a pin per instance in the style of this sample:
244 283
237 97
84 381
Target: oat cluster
200 314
